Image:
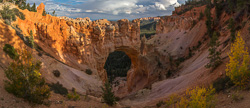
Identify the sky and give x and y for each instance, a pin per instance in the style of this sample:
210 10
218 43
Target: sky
110 9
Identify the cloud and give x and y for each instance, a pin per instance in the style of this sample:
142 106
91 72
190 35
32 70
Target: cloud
110 9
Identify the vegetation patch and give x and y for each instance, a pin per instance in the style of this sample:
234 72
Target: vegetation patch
199 97
10 51
24 79
148 28
108 96
231 26
56 73
159 104
73 96
214 54
10 14
201 16
190 4
239 64
222 84
89 71
58 88
19 14
237 97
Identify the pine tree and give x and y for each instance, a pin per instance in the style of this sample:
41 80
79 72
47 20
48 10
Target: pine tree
44 13
28 6
31 39
231 26
209 21
21 4
24 79
231 5
218 9
214 54
54 13
108 96
33 8
239 63
201 16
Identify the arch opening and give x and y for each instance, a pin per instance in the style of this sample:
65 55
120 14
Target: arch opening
117 65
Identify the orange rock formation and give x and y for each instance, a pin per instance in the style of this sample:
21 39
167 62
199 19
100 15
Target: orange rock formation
79 42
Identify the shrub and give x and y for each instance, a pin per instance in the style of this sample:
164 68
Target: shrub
89 71
198 97
11 51
19 14
7 13
190 53
237 97
56 73
222 84
159 104
108 96
73 96
10 14
174 98
58 88
238 67
24 79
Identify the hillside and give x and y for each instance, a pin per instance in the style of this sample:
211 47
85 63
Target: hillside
169 60
148 28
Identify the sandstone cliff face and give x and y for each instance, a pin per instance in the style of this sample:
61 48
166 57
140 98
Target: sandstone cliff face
80 42
184 21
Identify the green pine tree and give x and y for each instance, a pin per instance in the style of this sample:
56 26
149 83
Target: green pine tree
209 21
108 96
231 26
44 13
28 6
231 5
54 13
25 80
31 39
33 8
214 54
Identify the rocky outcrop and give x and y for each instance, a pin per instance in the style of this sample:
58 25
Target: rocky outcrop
150 18
80 42
184 21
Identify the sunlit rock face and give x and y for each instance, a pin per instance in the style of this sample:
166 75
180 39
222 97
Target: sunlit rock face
80 42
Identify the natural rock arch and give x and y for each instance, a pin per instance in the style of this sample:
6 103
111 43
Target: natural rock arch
82 43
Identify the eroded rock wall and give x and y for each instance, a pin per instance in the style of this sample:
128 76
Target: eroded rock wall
80 42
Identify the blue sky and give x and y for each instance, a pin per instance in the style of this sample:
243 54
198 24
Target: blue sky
110 9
